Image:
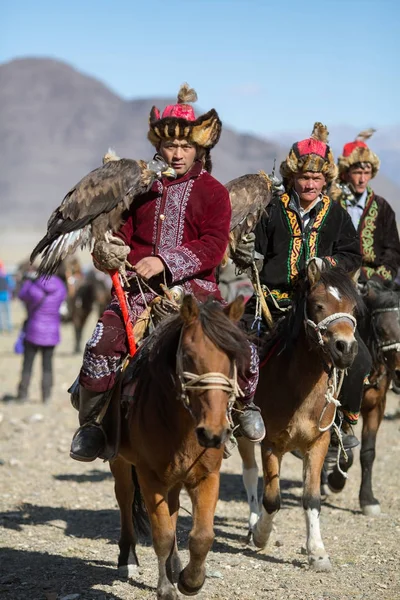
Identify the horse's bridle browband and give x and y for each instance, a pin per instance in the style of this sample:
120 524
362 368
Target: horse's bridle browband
384 346
206 381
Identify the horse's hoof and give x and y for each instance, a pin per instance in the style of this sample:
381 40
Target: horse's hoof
371 510
335 486
167 594
128 571
186 589
320 564
260 541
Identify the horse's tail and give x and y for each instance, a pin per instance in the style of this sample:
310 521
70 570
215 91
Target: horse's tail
139 512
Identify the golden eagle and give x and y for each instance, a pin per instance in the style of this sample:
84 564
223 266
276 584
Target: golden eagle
92 210
250 195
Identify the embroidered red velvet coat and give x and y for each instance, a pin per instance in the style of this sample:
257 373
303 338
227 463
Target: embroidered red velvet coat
186 223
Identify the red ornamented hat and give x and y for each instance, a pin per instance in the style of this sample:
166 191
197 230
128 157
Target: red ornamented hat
357 152
311 154
179 121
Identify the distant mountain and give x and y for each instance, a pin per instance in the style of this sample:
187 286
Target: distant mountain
56 123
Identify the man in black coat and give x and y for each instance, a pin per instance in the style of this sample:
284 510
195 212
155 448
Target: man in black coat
303 223
372 216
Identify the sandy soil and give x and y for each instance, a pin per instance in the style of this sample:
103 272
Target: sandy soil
60 523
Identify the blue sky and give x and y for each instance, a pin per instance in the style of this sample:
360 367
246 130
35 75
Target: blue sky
265 66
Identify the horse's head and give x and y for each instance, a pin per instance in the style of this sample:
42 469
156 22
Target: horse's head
329 317
212 349
384 325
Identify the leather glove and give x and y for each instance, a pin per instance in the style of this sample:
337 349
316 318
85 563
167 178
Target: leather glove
245 251
108 256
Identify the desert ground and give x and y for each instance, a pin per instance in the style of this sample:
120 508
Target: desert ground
59 522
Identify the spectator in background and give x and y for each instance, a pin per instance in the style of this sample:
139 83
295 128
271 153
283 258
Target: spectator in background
42 298
6 287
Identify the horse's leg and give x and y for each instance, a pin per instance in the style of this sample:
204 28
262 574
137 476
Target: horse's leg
250 479
271 497
124 490
372 411
313 462
173 565
204 499
162 529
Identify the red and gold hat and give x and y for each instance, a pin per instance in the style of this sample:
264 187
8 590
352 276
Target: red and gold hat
179 121
311 154
357 152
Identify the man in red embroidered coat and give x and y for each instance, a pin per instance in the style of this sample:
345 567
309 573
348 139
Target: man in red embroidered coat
372 216
177 233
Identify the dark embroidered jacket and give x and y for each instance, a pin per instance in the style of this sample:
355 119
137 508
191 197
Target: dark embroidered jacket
379 239
286 245
186 223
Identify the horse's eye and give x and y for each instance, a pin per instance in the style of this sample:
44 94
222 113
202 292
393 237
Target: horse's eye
320 307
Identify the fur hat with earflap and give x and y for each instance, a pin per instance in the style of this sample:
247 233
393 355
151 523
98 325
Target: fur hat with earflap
312 154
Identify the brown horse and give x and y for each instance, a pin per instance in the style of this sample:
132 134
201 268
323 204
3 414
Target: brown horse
297 393
174 435
381 333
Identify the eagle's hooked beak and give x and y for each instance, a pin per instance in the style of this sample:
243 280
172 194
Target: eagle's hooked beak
170 172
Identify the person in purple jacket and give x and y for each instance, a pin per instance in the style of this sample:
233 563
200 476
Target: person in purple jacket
42 298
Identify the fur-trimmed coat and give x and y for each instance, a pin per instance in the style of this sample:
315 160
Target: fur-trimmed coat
378 239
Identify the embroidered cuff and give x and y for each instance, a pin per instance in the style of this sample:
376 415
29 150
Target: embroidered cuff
181 262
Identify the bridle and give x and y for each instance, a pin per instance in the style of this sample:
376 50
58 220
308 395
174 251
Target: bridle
335 375
383 347
206 381
319 329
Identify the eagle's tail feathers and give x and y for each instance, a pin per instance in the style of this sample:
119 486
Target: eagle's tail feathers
63 246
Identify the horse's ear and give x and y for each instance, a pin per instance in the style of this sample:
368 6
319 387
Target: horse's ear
189 309
234 311
355 276
313 271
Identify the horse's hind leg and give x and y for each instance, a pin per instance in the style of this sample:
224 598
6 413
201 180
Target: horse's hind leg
173 565
250 480
313 462
271 498
124 490
204 499
372 411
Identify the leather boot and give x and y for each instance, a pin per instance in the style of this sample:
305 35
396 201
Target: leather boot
250 421
89 440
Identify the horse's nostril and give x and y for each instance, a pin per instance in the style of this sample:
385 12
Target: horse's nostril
341 346
208 439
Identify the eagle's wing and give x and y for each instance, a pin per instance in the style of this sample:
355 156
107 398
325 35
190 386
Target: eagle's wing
249 195
99 192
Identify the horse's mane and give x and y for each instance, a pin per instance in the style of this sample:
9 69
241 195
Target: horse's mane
158 352
292 326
